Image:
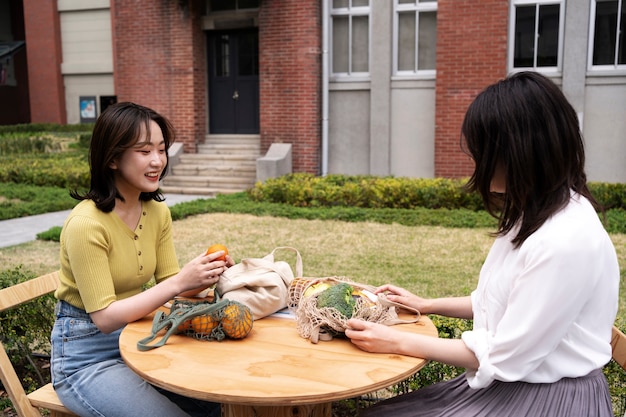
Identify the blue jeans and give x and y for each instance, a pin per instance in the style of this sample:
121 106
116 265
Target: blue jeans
91 379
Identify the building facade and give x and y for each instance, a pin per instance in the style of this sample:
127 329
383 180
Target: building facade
356 86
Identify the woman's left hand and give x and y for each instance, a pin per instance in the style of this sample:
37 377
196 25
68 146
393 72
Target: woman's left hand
371 337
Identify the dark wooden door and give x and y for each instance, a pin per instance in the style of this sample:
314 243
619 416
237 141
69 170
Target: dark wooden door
233 62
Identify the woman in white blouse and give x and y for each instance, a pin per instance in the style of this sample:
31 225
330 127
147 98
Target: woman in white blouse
547 294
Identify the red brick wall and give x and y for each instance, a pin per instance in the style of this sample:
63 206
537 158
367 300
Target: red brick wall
471 54
159 62
43 49
290 79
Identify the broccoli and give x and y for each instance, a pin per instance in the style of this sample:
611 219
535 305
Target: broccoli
338 296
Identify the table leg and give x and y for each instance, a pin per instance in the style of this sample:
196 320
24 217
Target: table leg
311 410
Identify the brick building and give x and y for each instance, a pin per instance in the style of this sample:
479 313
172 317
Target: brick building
356 86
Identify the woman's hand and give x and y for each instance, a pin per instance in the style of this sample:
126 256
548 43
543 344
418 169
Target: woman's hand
203 271
405 298
378 338
372 337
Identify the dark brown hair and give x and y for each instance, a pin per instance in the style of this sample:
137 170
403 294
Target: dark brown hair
525 124
117 129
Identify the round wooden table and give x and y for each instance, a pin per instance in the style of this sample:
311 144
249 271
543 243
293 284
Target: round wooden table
272 372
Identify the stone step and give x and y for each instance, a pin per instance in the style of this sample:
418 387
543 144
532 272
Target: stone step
228 149
223 182
221 159
223 164
209 192
233 139
216 170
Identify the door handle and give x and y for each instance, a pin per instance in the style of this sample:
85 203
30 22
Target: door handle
236 95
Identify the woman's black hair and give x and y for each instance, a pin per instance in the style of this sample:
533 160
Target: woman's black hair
117 129
525 124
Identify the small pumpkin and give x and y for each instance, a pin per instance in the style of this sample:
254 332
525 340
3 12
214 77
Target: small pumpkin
237 320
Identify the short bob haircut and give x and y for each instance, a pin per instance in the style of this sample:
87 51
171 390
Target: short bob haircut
525 124
117 129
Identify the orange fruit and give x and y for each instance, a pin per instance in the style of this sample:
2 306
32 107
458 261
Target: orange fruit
237 321
184 326
204 324
216 248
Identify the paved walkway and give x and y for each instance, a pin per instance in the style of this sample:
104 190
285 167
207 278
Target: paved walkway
25 229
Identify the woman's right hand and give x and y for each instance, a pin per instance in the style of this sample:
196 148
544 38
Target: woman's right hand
202 271
404 297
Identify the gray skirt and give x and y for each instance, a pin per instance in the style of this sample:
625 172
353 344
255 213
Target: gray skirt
570 397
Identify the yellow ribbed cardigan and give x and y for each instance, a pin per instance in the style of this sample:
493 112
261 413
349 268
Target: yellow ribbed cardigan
103 260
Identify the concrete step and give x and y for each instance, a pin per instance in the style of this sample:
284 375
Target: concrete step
221 159
229 149
209 192
233 139
214 170
223 182
223 164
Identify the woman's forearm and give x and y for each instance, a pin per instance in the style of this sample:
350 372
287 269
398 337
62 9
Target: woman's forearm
449 351
459 307
121 312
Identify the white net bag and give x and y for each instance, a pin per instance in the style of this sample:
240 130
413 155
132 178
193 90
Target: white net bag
322 313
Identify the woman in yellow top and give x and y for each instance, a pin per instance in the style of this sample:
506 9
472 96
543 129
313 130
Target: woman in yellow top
115 240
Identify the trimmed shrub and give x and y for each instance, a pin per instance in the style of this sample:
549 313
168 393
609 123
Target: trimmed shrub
308 190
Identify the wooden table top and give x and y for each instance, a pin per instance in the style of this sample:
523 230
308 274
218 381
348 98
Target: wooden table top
272 365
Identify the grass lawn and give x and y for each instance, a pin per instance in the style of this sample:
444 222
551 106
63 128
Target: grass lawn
432 261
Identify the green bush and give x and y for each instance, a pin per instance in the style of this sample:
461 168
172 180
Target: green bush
25 332
610 195
68 170
365 191
84 140
21 143
46 127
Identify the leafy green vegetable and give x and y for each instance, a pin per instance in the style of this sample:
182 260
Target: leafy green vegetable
339 297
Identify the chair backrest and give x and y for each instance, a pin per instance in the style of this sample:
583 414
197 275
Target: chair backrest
11 297
618 343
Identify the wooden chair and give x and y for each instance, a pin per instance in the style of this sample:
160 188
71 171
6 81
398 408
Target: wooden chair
27 405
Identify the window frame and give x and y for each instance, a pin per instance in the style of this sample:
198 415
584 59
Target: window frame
417 8
615 67
561 34
350 12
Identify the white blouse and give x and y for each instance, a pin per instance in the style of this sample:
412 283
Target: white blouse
545 311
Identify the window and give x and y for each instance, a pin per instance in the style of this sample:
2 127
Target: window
537 35
608 35
415 37
350 37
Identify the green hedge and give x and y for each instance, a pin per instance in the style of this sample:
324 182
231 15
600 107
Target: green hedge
68 170
307 190
46 127
22 143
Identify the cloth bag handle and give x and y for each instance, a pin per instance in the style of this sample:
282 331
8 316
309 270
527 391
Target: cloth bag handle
268 261
174 319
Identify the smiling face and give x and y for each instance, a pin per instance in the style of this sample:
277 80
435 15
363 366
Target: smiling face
140 166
